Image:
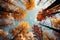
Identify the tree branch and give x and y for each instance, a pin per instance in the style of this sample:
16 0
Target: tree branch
57 30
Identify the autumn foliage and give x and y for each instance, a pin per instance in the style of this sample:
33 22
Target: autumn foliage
21 15
3 35
56 22
30 4
42 35
22 32
37 32
23 25
18 13
47 13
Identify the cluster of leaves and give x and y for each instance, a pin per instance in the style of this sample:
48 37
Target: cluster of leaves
30 4
38 32
47 13
21 15
50 13
18 33
23 28
42 35
18 13
56 22
3 35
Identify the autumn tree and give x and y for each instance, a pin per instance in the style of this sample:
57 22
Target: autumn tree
22 32
50 13
6 12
